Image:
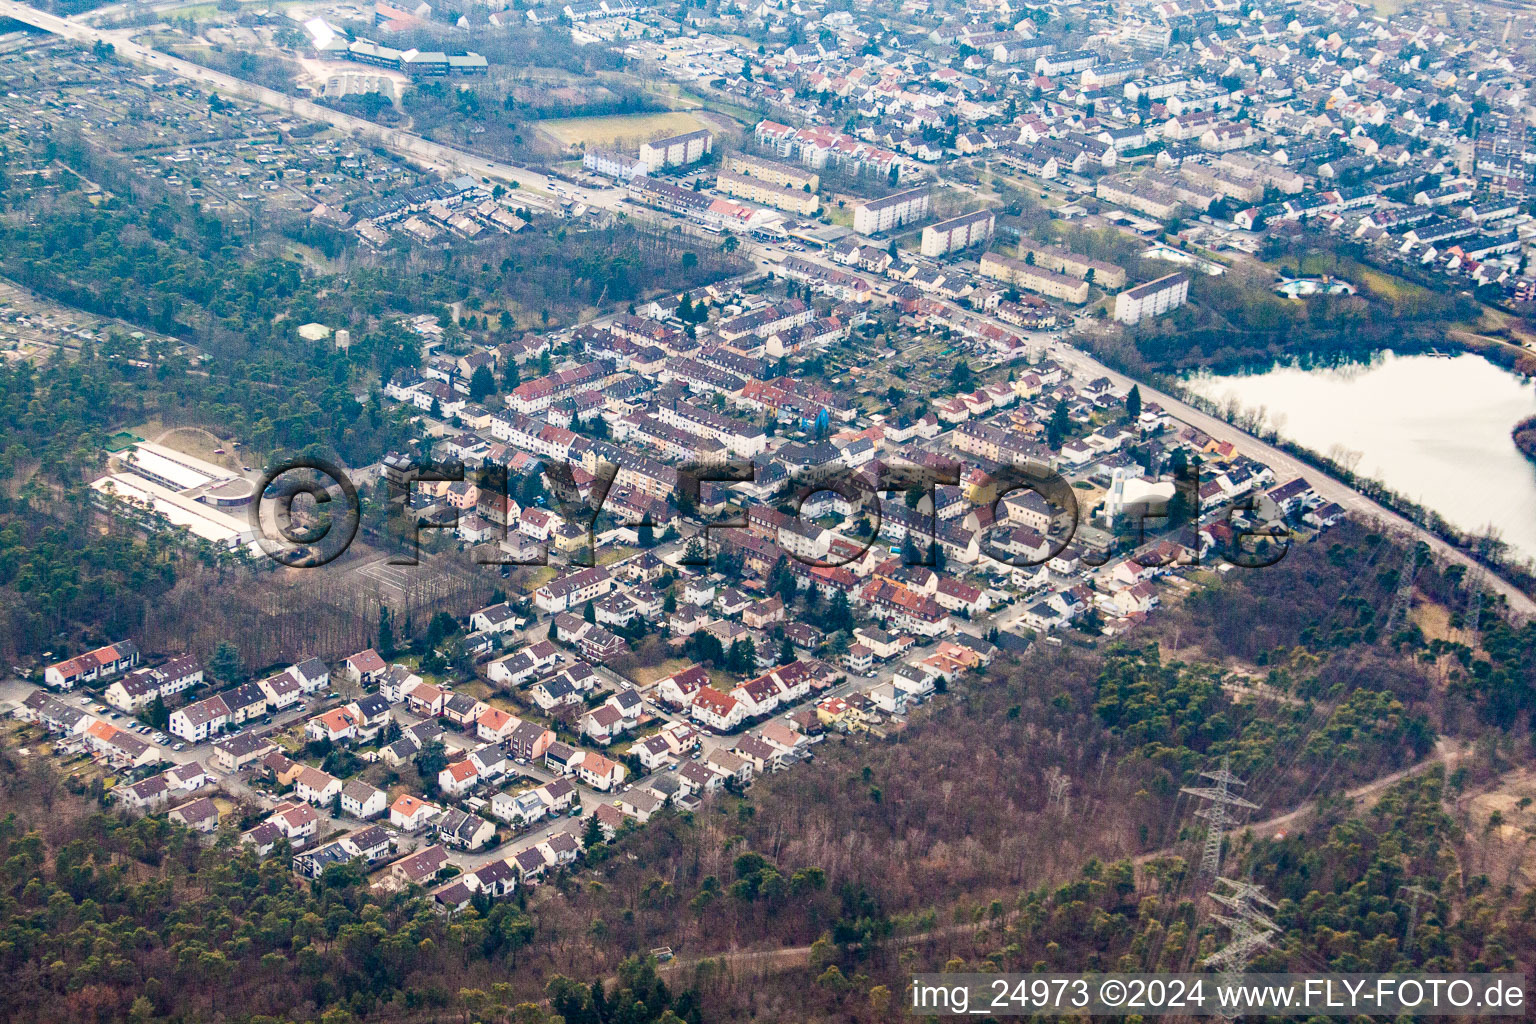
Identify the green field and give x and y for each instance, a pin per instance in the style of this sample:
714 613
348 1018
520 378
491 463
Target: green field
122 441
624 131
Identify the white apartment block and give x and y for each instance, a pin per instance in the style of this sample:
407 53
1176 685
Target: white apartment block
611 165
958 233
893 211
678 150
1152 299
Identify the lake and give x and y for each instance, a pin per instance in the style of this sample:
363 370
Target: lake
1435 430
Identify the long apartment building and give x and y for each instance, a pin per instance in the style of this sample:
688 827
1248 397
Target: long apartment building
1049 257
678 150
612 165
892 211
765 320
958 233
773 172
539 394
1035 279
1152 299
744 440
757 190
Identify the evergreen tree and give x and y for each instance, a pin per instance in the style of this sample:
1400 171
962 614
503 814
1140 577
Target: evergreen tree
481 383
839 615
225 663
386 643
1133 403
1060 423
592 835
743 657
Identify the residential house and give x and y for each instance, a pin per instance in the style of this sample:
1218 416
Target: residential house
462 830
458 778
200 815
360 800
364 668
411 814
600 773
315 786
420 867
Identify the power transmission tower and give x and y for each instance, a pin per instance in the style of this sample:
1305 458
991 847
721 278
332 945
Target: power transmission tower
1216 813
1057 785
1404 596
1414 892
1251 929
1473 615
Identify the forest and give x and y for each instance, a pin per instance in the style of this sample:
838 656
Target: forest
232 296
1030 818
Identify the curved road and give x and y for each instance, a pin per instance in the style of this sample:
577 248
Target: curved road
451 160
1287 467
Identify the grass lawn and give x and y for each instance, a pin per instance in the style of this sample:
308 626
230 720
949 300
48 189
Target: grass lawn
722 680
618 553
625 131
1388 287
842 216
643 677
504 703
121 441
193 441
541 576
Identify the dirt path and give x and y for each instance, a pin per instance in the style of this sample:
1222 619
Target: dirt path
798 957
1444 754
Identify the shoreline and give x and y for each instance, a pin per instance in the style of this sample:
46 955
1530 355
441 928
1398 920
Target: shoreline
1519 574
1524 436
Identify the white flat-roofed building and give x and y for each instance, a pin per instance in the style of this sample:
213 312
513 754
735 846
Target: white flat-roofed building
958 233
1152 299
611 165
677 150
892 211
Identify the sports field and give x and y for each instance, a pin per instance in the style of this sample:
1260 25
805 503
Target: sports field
623 131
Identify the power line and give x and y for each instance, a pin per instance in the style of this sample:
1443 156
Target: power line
1251 929
1215 813
1414 892
1471 619
1404 596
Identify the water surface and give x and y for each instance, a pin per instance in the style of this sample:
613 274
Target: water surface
1435 430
